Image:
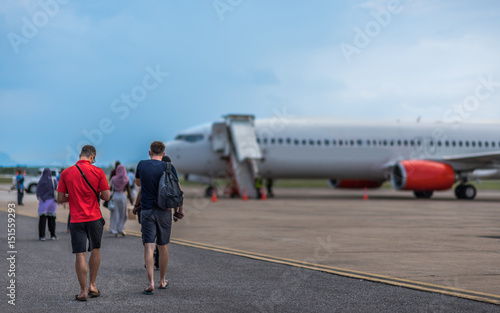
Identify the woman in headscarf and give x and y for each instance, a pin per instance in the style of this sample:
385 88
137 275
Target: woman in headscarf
120 184
47 205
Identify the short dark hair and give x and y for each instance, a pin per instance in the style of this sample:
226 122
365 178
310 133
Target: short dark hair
88 151
157 148
116 164
166 159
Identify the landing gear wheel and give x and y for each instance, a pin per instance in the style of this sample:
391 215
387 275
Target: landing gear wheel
469 192
459 191
209 191
466 192
423 194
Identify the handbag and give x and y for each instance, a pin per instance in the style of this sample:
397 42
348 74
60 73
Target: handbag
107 203
111 204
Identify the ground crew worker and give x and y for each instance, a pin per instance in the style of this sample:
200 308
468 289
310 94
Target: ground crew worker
258 187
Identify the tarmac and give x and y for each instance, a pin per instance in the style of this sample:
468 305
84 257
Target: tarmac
307 250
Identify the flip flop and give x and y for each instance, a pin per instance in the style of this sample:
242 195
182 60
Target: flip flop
166 286
94 294
80 299
148 292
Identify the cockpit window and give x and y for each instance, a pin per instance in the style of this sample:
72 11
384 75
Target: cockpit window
189 138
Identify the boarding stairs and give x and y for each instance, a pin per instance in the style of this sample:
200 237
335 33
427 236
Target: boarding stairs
235 140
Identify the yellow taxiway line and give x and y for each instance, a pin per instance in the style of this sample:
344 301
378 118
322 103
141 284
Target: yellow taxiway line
471 295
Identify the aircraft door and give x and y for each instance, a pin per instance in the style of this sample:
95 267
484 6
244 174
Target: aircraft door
220 139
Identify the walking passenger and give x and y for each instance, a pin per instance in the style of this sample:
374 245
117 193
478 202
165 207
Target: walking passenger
131 177
82 185
155 223
176 217
47 205
121 190
113 172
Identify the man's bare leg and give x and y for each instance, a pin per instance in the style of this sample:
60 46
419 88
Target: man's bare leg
163 251
94 262
149 248
81 273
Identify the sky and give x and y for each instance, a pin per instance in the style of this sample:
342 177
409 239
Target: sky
121 74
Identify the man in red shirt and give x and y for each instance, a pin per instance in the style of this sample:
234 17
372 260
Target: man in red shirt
81 190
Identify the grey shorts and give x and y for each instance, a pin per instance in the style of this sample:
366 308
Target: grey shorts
81 232
156 223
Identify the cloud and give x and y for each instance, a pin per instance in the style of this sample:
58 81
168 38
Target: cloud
16 8
376 5
263 58
13 99
444 68
388 79
263 77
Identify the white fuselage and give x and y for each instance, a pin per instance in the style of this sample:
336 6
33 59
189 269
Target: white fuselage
326 148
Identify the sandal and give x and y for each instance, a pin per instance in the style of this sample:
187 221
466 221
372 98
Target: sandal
80 299
148 292
94 294
166 285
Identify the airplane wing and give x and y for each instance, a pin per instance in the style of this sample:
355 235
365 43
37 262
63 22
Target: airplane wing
478 158
471 162
464 162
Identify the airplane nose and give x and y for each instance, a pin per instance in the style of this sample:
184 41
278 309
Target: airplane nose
172 150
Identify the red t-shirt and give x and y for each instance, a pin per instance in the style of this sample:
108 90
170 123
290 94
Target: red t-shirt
83 205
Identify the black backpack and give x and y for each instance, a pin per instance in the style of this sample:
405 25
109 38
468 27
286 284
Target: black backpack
170 195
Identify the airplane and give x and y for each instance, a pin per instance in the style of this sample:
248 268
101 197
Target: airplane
420 157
